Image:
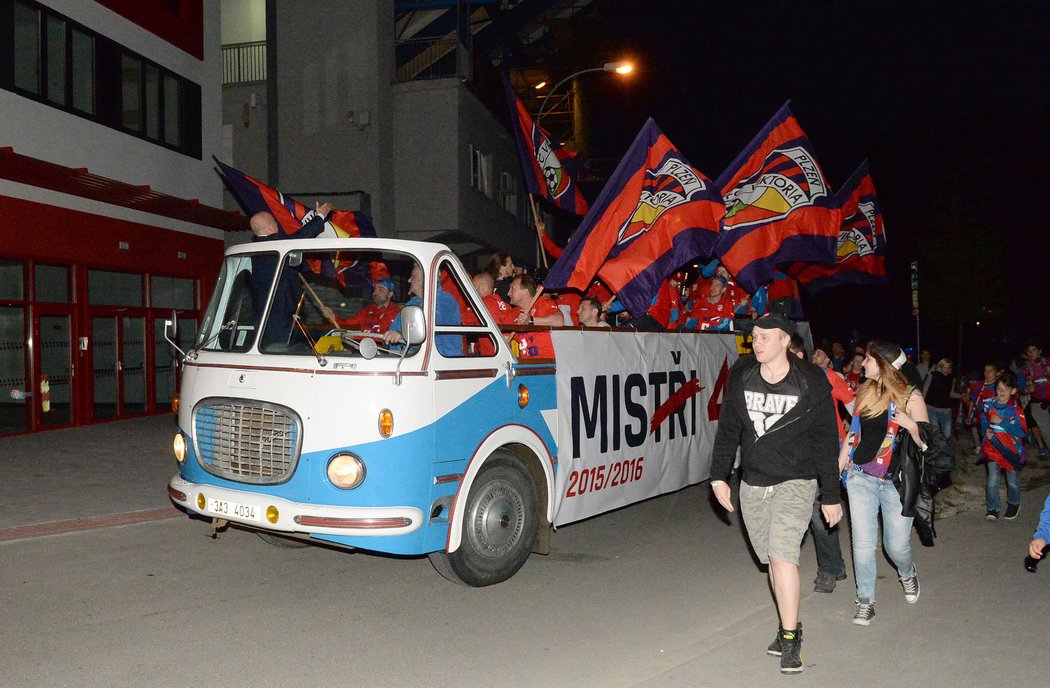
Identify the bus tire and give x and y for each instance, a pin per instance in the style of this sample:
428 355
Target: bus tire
499 524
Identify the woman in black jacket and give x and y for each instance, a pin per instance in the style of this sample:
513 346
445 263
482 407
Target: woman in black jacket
886 405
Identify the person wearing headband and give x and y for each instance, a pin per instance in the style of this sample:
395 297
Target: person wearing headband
886 407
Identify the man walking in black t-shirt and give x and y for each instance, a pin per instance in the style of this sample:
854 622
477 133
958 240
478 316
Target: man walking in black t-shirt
778 411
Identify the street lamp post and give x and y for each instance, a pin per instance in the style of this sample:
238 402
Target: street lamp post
618 67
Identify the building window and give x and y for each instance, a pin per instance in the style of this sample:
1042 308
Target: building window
114 288
11 280
152 89
83 53
481 171
131 92
172 107
508 193
55 50
52 283
26 46
172 292
54 60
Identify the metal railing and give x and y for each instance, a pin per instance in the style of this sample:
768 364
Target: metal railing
419 59
243 62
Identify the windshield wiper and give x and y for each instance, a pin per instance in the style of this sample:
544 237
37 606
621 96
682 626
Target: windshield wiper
195 351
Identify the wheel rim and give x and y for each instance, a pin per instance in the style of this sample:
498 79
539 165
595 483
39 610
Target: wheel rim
497 519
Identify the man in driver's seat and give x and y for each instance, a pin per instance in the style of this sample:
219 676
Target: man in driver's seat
449 345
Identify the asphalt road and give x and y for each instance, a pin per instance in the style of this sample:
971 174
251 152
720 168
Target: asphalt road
663 593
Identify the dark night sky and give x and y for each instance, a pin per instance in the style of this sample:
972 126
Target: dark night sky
934 95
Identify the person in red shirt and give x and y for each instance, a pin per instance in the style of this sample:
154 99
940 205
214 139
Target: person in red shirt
854 373
501 311
534 311
377 316
548 243
979 393
736 295
714 311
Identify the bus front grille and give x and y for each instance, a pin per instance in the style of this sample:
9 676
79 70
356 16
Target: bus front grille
247 441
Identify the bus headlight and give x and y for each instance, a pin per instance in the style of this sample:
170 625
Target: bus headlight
346 471
179 446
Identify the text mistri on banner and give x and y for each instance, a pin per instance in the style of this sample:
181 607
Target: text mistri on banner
637 414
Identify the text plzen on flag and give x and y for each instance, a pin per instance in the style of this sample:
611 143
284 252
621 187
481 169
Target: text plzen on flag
655 213
779 207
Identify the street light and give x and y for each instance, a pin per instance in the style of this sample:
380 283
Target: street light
621 67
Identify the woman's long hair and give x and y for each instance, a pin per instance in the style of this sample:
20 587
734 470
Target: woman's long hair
874 396
497 261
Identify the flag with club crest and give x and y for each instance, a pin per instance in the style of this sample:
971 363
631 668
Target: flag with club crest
779 207
547 165
861 254
655 213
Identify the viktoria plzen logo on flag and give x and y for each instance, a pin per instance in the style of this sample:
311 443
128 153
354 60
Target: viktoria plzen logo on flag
859 236
789 179
673 184
553 172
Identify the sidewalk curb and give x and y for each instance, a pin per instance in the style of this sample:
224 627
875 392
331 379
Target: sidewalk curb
78 524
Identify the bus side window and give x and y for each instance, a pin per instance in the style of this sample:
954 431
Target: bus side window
478 344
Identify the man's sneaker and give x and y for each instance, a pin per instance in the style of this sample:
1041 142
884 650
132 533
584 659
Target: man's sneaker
992 516
911 588
791 652
775 648
865 613
824 582
1043 451
1011 511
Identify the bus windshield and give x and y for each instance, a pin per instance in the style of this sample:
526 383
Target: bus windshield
322 301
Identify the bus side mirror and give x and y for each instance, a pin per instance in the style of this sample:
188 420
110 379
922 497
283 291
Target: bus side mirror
413 325
171 327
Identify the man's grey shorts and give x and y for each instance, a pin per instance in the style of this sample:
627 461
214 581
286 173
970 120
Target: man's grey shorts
777 517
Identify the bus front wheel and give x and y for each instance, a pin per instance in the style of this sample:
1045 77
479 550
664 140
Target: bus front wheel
499 525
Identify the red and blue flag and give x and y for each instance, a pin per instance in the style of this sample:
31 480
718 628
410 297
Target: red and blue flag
779 207
861 254
656 213
548 166
257 197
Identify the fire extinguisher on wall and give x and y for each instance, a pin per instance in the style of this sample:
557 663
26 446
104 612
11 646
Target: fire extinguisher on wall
45 394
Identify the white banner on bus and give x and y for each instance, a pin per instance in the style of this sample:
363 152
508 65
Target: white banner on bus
637 414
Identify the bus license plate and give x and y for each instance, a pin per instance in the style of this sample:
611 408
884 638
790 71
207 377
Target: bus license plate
222 507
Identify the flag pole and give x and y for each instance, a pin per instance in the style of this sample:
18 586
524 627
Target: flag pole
535 219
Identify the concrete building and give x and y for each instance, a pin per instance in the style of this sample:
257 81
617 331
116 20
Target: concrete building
391 108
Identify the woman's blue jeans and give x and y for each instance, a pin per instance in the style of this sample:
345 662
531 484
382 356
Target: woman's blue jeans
1013 486
867 496
941 418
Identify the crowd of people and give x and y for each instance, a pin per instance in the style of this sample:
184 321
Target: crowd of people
895 418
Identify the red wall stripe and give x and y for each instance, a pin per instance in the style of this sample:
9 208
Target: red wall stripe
52 233
179 22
